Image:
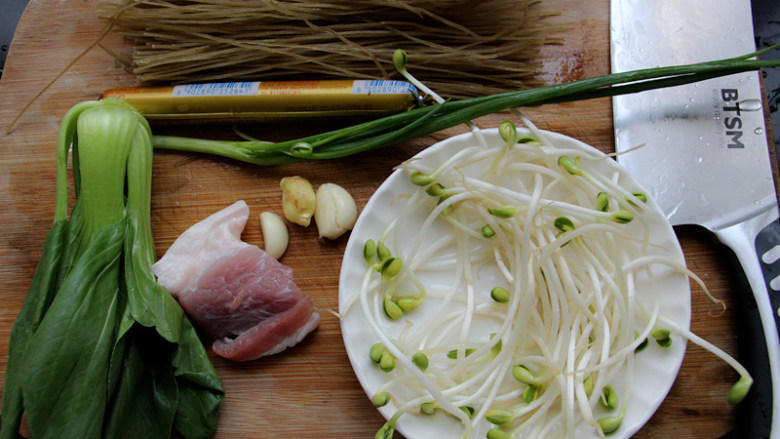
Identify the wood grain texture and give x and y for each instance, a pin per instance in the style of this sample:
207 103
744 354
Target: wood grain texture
309 391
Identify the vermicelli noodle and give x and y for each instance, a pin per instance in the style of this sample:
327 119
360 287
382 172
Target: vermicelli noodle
459 48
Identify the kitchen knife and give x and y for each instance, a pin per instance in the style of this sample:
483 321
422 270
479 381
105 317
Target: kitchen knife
703 156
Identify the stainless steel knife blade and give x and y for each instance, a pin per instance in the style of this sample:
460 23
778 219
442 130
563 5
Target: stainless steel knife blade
701 152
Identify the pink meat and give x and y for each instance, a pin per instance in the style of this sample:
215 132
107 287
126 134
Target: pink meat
236 293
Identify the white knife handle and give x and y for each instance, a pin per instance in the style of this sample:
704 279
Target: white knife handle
756 244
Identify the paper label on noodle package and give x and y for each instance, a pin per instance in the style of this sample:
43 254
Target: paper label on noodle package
382 87
217 89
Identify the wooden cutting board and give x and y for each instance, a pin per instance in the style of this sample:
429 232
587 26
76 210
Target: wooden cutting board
310 390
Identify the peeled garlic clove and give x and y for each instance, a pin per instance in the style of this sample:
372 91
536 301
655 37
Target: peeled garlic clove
298 200
336 211
275 234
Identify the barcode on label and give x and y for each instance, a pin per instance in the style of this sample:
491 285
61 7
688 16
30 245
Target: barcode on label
386 87
217 89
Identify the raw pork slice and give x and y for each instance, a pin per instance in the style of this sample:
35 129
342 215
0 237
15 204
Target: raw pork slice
236 293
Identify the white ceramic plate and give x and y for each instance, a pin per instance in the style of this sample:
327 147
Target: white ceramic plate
655 368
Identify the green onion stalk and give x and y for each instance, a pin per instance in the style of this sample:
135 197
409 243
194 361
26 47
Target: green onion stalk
421 121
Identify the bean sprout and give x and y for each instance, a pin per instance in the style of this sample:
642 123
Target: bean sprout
550 346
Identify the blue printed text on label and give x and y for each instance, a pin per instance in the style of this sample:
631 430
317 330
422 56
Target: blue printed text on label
365 87
217 89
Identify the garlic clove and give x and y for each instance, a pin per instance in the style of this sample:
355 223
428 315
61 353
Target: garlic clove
336 211
298 200
275 234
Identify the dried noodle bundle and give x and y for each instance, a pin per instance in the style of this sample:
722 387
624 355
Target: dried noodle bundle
459 48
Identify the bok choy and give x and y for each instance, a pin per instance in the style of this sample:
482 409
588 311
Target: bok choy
99 349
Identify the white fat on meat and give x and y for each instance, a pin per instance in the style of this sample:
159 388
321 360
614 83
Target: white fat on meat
235 292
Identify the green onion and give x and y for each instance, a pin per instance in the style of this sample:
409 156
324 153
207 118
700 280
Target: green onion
397 128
